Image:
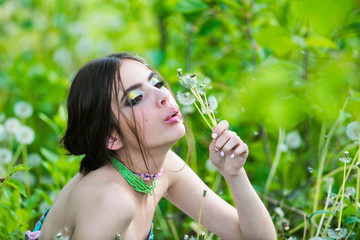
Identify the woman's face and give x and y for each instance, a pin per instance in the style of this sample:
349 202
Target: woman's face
156 112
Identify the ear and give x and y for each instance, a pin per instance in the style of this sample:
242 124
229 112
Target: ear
114 143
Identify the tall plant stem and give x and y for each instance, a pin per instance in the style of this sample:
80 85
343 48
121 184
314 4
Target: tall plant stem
322 163
26 173
358 182
325 208
333 210
266 144
276 160
201 207
342 197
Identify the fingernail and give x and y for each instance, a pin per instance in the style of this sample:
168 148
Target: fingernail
214 135
216 149
222 153
232 155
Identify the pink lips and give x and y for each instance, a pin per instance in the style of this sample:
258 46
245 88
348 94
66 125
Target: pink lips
173 115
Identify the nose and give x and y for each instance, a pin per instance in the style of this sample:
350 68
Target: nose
162 98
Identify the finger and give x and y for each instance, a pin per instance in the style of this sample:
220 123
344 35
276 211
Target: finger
223 139
241 150
220 128
231 145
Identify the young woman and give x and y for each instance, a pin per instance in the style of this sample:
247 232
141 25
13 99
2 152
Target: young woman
124 120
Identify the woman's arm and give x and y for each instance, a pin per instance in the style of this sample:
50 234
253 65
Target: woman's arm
250 219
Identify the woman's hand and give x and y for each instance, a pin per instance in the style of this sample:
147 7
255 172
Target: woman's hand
228 153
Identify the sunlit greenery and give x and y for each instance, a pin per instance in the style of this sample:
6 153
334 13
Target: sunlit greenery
285 74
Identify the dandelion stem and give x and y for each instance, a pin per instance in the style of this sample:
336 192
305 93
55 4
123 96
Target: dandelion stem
325 208
276 160
201 207
15 157
357 181
342 197
173 229
202 115
340 191
206 108
26 173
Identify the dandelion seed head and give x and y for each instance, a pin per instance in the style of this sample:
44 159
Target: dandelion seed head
20 176
284 147
25 135
34 159
279 212
185 99
12 125
23 109
293 139
337 233
350 191
187 110
353 130
213 103
179 70
188 80
5 156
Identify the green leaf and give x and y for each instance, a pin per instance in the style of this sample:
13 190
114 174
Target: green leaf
209 26
191 6
50 123
352 220
319 212
320 42
17 185
49 155
19 167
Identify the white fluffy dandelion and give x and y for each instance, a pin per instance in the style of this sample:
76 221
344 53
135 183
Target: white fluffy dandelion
353 130
5 156
189 80
34 159
213 103
283 147
2 133
185 99
25 135
293 139
337 233
23 109
12 125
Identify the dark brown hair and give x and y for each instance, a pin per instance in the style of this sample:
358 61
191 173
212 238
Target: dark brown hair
90 116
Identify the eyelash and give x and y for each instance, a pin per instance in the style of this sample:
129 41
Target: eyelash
137 99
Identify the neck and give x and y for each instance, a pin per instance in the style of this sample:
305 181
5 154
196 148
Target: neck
134 161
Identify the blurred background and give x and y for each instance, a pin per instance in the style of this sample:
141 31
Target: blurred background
285 74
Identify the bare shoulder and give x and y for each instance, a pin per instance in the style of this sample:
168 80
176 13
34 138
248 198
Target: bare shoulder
174 162
106 206
175 166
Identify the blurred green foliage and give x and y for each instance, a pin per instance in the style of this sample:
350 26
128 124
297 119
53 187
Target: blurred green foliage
277 64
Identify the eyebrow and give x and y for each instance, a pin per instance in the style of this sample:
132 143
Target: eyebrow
135 86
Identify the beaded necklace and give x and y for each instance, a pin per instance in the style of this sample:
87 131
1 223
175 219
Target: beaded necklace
135 182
